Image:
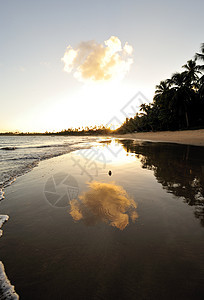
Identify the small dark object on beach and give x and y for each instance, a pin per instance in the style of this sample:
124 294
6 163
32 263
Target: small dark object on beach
109 173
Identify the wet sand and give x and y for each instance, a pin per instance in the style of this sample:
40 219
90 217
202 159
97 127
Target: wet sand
88 245
188 137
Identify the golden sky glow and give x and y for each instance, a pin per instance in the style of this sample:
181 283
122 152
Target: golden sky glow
61 63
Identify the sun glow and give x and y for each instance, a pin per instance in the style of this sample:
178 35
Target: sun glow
113 153
92 104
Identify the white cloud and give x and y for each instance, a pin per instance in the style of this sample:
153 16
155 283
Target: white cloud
98 62
128 48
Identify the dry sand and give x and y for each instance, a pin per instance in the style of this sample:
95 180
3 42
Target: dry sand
190 137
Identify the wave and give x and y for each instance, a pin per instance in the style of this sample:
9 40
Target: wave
37 146
1 194
3 219
8 148
50 146
31 161
7 290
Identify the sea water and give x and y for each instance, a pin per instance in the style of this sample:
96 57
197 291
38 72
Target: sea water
19 154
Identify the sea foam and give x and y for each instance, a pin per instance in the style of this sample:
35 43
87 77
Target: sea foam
7 290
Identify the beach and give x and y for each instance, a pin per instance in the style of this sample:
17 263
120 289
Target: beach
188 137
77 231
102 150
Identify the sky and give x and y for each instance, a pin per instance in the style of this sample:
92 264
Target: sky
78 63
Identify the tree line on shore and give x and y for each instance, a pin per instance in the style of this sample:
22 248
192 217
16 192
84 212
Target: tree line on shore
92 130
178 102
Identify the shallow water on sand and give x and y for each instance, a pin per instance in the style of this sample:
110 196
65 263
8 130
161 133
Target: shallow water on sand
78 231
19 154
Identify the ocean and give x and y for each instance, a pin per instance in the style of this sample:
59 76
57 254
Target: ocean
20 154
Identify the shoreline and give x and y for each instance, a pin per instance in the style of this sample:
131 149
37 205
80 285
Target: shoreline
193 137
188 137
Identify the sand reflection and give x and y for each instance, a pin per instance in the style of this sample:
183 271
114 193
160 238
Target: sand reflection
104 202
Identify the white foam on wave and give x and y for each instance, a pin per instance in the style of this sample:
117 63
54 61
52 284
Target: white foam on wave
1 194
7 290
8 179
3 185
3 219
34 161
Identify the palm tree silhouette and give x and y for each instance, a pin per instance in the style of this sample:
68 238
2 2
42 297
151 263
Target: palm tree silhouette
200 57
162 88
182 94
191 73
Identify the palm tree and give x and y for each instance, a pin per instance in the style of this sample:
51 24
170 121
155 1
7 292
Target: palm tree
200 56
191 73
162 88
182 95
162 104
145 107
162 92
178 79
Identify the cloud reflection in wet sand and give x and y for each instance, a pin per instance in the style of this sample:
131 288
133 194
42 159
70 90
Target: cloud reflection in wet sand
104 202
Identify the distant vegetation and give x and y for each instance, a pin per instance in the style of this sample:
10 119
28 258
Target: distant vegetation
92 130
178 102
